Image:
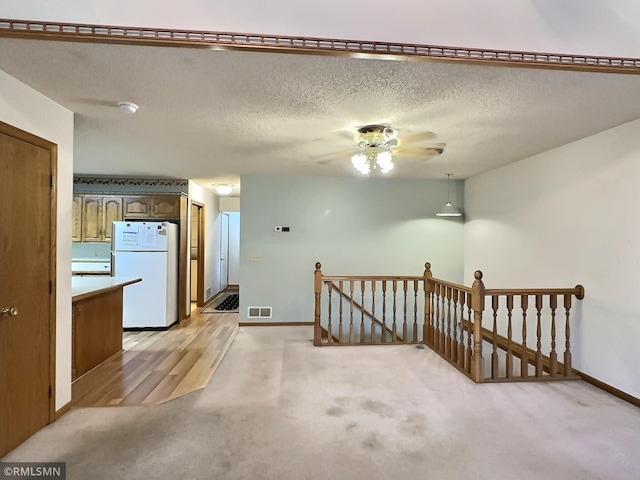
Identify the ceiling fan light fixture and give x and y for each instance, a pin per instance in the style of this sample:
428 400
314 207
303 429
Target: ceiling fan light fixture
449 210
361 163
223 189
128 108
384 162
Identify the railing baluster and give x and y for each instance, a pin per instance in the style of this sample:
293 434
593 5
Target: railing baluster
373 311
447 340
436 300
494 355
553 356
539 369
524 356
462 331
351 327
404 323
469 350
329 327
454 320
427 311
443 329
415 311
384 311
362 330
567 333
340 339
394 336
509 373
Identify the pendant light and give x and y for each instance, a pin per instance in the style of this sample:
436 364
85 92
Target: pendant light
448 210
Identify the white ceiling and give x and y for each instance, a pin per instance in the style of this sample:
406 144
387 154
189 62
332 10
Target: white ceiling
214 115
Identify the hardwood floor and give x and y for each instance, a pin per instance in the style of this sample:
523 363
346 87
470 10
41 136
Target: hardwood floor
157 366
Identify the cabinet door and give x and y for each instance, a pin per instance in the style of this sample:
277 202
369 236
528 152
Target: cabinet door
138 207
76 222
91 218
166 207
111 212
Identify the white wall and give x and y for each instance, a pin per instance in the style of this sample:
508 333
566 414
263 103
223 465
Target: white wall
565 217
595 27
211 235
234 248
29 110
352 225
230 204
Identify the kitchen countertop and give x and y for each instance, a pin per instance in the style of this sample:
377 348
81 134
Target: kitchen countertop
83 287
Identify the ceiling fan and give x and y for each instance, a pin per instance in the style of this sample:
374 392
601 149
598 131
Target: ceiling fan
377 145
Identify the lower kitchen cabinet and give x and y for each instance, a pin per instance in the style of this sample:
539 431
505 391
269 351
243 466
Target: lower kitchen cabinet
97 331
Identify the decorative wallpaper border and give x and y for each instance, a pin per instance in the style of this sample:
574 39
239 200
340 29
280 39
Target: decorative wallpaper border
147 182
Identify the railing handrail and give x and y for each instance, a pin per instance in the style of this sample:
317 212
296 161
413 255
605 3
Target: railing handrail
346 278
578 291
439 281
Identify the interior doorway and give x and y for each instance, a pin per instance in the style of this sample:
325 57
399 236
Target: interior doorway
224 251
197 253
27 277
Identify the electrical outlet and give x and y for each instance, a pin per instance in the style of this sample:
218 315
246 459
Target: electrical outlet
255 257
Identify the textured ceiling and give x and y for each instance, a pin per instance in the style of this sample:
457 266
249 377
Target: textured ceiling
214 115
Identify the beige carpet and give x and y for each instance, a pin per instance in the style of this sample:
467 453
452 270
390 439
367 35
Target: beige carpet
279 408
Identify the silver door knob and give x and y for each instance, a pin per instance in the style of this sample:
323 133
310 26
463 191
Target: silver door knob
8 312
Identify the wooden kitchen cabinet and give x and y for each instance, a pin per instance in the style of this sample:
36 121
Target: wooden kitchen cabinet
76 222
161 207
97 331
98 213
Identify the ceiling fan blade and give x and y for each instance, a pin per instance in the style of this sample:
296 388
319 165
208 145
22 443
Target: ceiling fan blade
417 137
325 158
422 152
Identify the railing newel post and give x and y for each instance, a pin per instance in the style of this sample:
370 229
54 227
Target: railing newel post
477 303
427 334
317 329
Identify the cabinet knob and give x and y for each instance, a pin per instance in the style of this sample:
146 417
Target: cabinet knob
8 312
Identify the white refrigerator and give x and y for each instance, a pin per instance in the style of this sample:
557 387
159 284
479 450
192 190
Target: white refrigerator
148 250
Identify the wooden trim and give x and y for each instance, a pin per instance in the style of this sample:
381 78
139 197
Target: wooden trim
23 135
276 324
608 388
64 409
93 33
53 278
184 300
201 251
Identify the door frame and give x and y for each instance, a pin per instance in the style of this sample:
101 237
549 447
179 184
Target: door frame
24 136
200 246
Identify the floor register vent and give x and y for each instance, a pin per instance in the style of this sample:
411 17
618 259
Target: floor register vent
258 312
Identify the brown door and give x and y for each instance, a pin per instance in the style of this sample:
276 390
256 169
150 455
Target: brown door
25 299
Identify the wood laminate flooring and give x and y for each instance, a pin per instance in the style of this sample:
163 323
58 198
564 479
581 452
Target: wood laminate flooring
157 366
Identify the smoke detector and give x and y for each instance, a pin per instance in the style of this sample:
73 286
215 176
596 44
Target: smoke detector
128 107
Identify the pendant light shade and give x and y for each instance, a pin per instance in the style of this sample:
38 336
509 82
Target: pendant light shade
449 210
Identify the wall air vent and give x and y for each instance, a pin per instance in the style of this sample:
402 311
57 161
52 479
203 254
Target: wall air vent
258 312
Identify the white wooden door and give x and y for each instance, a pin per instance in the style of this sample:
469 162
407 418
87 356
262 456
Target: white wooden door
224 251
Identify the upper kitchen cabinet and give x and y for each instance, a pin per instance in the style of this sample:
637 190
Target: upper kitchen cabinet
98 213
161 207
76 222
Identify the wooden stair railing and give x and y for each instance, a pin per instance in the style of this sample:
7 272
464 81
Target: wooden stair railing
361 308
528 328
